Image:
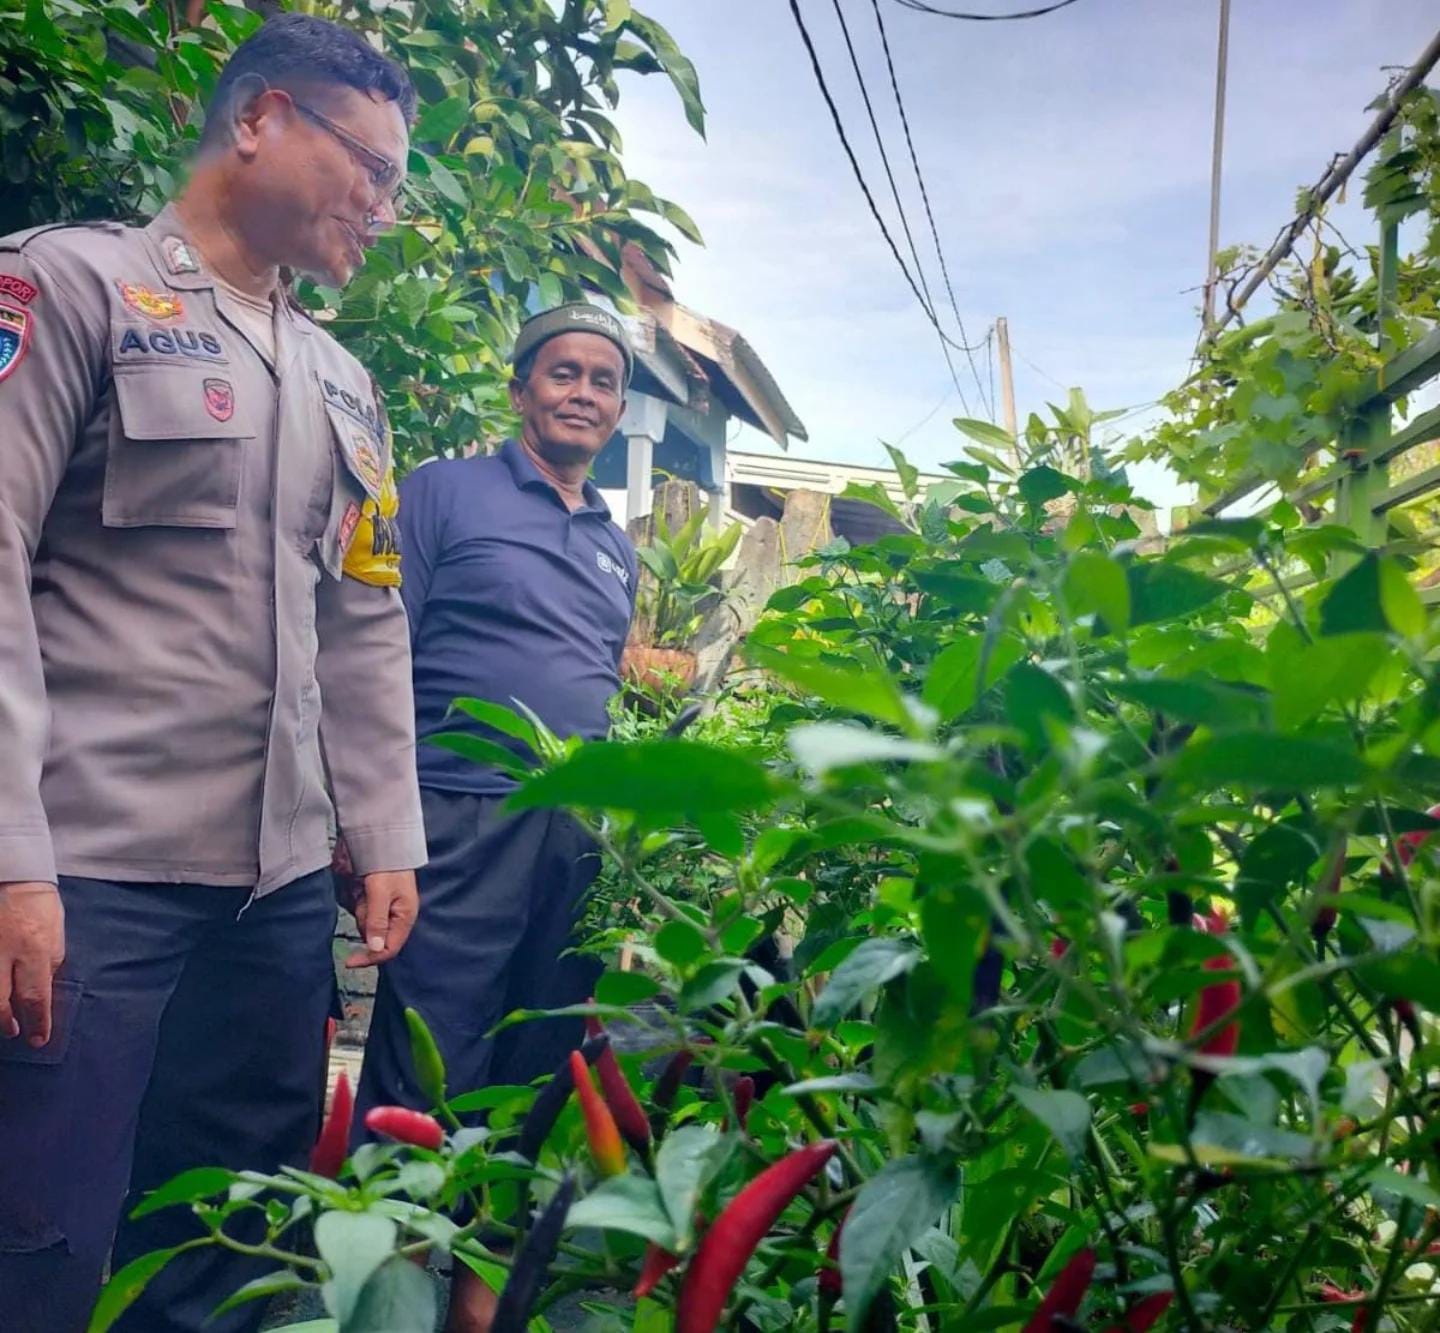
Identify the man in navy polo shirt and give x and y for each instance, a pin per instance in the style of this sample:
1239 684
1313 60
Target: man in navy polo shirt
518 587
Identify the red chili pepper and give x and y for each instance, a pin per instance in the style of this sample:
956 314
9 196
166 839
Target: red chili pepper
1140 1110
1327 891
831 1281
328 1154
1217 1000
728 1245
656 1264
1058 946
1144 1314
1405 1012
603 1135
744 1094
668 1083
1065 1294
400 1122
1333 1295
618 1096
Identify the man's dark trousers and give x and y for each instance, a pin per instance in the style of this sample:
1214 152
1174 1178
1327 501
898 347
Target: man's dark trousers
498 900
190 1033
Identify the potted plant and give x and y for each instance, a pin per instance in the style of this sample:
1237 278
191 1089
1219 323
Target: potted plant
677 591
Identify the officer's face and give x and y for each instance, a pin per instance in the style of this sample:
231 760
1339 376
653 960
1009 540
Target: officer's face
325 174
573 398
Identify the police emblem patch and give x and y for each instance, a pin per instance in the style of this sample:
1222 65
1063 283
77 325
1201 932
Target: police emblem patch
22 291
365 458
159 306
14 338
219 399
348 522
179 258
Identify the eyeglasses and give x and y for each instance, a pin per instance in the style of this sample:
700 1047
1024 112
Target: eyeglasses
386 176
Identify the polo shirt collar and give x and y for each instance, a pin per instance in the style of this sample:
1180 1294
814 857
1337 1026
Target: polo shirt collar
529 477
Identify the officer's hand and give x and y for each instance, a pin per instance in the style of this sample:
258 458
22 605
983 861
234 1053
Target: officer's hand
385 915
349 892
32 947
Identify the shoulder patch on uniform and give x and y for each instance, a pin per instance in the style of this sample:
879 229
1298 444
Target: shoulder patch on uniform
22 291
15 327
179 257
159 306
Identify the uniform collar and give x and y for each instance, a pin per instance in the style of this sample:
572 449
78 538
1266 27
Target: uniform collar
529 477
178 262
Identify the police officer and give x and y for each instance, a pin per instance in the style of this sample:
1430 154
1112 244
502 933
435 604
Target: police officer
204 671
519 586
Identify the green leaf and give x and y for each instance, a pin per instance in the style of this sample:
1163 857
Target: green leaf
1355 603
400 1297
1401 604
625 988
821 746
908 473
723 832
1096 584
1197 699
984 432
1305 679
955 924
680 943
262 1288
353 1246
1160 591
630 1203
869 967
955 583
690 1157
1041 484
1064 1113
712 984
441 121
1263 759
199 1182
873 493
1221 1139
894 1208
1274 860
1032 694
480 750
125 1287
504 720
954 683
857 688
654 777
1411 975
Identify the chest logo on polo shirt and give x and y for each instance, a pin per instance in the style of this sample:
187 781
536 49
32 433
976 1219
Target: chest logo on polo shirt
609 566
159 306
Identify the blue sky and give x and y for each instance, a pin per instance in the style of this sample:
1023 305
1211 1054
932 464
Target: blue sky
1068 163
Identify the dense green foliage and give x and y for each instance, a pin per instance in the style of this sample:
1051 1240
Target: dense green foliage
516 184
999 767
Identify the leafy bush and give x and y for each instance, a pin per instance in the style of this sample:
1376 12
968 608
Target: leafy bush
952 925
516 186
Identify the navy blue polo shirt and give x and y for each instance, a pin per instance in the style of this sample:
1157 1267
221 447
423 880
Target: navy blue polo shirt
510 596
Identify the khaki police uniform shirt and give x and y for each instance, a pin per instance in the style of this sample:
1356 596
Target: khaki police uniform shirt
201 638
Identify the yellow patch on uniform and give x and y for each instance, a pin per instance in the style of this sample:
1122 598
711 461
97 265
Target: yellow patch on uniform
159 306
372 553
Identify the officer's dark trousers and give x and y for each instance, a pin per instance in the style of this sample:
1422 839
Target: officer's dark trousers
186 1037
497 903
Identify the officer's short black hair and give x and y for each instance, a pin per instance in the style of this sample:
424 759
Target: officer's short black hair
298 52
525 365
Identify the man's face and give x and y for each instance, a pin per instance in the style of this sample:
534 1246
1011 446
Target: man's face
573 398
314 170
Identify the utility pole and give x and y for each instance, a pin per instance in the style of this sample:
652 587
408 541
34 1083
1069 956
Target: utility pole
1007 384
1217 155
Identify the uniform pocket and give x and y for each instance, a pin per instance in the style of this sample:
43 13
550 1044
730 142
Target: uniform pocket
356 476
176 450
64 1010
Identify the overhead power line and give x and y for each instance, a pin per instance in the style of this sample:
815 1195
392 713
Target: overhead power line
929 212
928 301
921 7
839 125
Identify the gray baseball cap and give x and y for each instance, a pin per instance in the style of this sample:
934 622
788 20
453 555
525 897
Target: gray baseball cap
576 317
